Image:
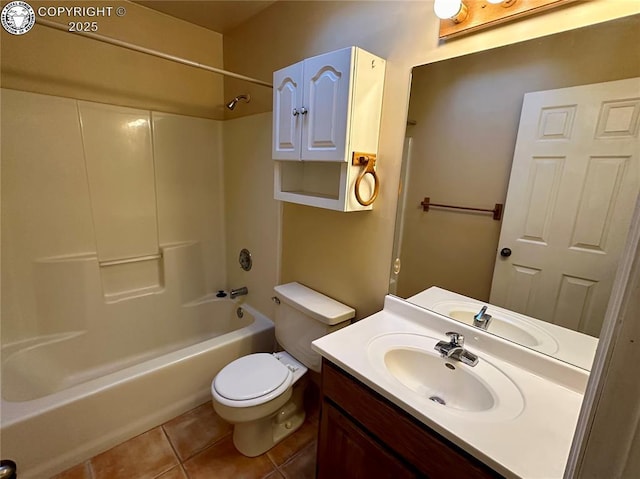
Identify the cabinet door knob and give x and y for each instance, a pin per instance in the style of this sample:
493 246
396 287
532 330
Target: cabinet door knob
303 111
295 112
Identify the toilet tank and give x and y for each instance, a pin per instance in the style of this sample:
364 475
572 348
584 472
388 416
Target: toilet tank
305 315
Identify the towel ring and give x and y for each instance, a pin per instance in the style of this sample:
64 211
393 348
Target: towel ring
369 162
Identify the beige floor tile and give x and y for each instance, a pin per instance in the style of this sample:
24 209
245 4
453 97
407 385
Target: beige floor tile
274 475
222 461
196 430
175 473
302 465
81 471
285 450
144 456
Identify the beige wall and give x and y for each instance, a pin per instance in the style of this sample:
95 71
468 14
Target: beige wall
252 215
347 256
467 112
57 63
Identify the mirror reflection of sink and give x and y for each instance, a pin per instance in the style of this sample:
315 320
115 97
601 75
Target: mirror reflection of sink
411 360
510 327
498 326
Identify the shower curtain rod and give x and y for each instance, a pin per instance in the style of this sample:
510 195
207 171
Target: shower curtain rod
149 51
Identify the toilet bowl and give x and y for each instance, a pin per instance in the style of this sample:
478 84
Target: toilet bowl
262 394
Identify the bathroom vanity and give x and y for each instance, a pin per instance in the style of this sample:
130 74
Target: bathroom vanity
364 435
392 406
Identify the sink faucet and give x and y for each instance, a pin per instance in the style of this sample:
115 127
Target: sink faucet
234 293
453 349
482 319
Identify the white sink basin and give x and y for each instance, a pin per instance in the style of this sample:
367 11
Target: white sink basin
439 380
410 360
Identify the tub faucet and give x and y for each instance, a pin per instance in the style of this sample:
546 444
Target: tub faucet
482 319
453 349
234 293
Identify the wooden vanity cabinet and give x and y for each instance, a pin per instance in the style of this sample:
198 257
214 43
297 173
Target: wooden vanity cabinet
363 435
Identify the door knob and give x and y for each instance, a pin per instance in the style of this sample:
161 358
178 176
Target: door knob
295 112
505 252
303 111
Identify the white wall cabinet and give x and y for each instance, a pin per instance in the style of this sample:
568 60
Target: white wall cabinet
326 108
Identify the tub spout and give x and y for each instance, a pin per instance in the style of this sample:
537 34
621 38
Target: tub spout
238 292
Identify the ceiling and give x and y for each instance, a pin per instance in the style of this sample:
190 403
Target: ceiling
220 16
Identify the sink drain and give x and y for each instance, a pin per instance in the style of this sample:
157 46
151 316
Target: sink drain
438 399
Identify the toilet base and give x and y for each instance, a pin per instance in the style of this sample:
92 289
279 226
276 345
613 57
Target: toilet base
257 436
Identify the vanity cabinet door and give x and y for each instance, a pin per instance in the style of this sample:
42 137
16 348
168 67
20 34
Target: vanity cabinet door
345 451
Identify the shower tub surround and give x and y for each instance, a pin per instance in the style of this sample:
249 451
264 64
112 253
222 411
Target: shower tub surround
113 248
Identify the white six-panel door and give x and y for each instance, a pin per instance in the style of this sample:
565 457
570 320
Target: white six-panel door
574 182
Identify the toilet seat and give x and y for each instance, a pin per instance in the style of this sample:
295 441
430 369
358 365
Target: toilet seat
251 380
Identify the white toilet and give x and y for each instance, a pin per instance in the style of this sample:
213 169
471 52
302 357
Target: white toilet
262 394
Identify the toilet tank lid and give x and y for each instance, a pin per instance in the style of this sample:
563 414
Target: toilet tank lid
316 305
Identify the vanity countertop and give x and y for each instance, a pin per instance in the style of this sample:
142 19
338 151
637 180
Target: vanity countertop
535 443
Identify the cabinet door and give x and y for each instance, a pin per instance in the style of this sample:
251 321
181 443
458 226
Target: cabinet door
287 120
345 451
326 103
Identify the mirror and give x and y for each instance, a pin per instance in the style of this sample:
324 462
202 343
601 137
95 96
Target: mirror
463 123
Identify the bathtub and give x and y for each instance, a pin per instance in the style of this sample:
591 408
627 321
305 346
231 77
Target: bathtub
59 409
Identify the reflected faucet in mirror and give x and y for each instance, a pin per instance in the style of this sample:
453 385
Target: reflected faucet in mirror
482 319
564 231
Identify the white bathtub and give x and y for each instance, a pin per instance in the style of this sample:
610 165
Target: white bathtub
60 409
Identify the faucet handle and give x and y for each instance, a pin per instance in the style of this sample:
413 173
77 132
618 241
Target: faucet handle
457 339
481 314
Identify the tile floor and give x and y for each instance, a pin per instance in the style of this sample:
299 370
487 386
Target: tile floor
198 445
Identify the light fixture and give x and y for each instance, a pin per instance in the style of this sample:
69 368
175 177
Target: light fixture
503 3
454 10
459 17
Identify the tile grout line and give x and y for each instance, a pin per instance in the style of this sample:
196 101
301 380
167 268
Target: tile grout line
173 449
299 453
273 463
201 450
197 451
184 471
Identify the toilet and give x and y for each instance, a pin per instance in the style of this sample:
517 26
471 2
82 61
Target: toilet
261 394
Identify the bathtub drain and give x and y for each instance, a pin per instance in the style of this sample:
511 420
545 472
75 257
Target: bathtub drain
239 312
